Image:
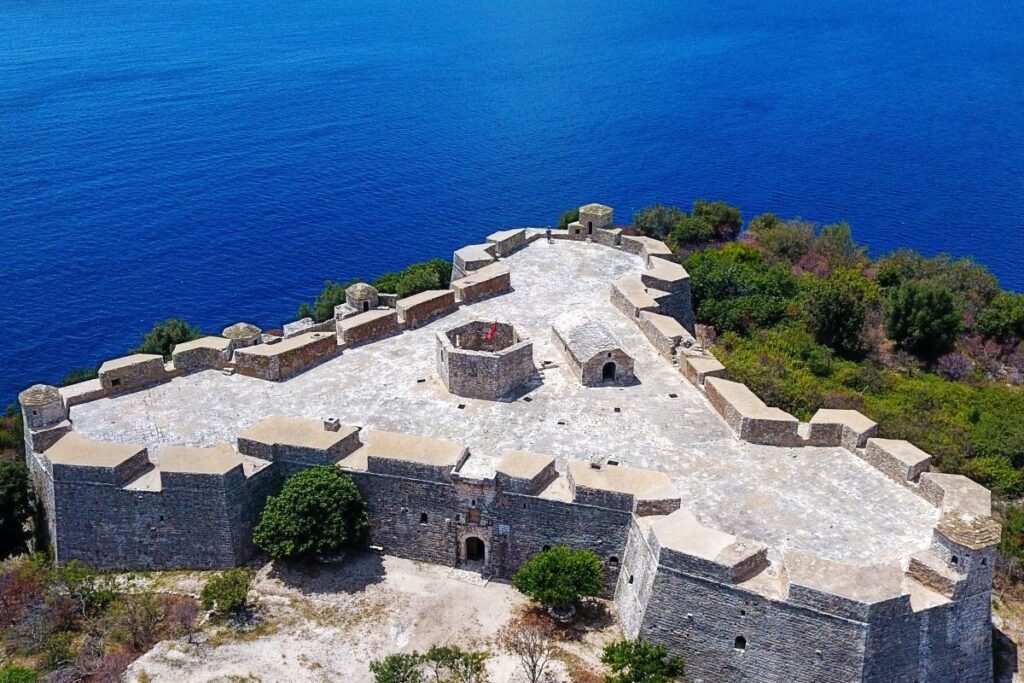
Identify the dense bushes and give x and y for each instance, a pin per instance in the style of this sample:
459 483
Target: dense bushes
164 336
638 661
567 217
441 664
921 317
318 512
16 508
228 592
707 222
419 277
76 623
735 291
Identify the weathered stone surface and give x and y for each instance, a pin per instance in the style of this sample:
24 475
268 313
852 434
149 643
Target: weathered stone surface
471 258
419 309
132 372
749 417
847 428
488 281
202 354
286 358
367 327
900 460
698 368
594 355
507 242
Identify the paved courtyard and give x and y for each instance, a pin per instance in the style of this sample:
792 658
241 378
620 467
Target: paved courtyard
823 501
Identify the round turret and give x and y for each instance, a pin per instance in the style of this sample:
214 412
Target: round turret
361 297
43 406
242 335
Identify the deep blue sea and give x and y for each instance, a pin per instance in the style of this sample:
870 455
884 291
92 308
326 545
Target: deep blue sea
220 160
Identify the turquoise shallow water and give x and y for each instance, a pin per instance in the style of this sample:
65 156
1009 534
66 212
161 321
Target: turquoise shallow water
218 161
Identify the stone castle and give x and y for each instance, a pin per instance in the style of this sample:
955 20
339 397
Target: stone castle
553 394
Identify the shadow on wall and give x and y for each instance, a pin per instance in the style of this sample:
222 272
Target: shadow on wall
1004 655
354 574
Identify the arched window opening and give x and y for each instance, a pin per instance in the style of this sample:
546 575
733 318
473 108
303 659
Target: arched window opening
608 372
740 643
545 549
954 560
630 578
613 561
423 518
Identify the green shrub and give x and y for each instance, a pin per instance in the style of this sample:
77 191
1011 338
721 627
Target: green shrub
837 309
974 285
835 243
16 507
922 317
690 230
995 472
567 217
638 661
333 294
734 290
1011 544
559 577
12 673
419 277
398 668
228 592
657 221
782 241
59 649
164 336
1003 319
725 220
318 512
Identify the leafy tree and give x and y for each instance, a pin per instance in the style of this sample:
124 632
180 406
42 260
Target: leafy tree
837 309
228 592
782 241
318 512
690 230
134 619
1003 319
90 591
725 220
452 664
398 668
835 243
12 673
16 508
638 661
734 290
559 577
416 280
762 223
657 221
922 317
974 284
165 336
333 294
567 217
419 277
529 639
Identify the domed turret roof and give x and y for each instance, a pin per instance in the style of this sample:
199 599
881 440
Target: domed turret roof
361 290
241 331
39 395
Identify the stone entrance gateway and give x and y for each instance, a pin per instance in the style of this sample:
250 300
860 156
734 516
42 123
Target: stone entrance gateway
475 550
608 372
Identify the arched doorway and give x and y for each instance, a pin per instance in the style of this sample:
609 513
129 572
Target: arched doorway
475 549
608 372
366 306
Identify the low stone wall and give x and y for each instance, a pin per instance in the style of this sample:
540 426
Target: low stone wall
488 281
471 258
276 362
664 333
507 242
749 417
132 372
846 428
367 327
899 460
202 354
609 237
698 368
294 329
421 308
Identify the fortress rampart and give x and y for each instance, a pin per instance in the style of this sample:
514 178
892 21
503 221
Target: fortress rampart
735 607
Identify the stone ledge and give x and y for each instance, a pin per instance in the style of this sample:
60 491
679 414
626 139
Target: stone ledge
421 308
488 281
899 460
749 417
847 428
698 368
688 546
955 492
363 328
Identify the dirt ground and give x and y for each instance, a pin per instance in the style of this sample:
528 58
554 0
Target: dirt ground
327 623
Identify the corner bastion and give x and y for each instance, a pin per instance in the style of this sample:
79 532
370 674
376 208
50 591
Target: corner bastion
755 546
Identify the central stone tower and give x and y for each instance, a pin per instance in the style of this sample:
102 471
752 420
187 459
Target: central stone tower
483 359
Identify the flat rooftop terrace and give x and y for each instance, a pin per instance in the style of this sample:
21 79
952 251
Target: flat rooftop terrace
823 501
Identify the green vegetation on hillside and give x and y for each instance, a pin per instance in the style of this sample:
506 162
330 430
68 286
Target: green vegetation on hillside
165 335
419 277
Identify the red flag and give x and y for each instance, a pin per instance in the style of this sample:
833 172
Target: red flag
493 331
